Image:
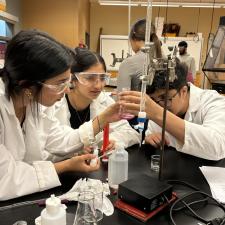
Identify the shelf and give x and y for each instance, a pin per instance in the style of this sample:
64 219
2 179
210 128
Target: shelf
7 23
2 38
8 17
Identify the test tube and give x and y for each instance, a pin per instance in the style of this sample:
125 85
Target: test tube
122 113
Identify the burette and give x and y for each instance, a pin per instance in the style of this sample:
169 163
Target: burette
151 65
147 74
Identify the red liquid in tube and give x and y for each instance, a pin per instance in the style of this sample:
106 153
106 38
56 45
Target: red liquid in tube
105 142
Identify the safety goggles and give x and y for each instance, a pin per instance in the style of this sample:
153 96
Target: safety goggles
58 88
89 79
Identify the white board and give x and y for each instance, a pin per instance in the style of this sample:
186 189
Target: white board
113 44
116 43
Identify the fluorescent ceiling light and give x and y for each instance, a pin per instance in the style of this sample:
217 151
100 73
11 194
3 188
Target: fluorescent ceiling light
120 3
201 6
162 5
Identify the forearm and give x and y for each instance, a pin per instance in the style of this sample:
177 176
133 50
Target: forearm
174 125
98 123
62 166
76 164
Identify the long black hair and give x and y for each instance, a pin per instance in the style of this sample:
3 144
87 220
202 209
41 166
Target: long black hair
32 57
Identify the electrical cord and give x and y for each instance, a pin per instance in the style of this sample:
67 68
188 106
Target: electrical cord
223 222
190 204
180 182
212 16
210 31
206 198
20 204
196 36
194 213
215 221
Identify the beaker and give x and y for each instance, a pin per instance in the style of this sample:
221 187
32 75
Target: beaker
86 212
155 163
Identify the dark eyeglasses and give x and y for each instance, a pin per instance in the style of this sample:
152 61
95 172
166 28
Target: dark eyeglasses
169 100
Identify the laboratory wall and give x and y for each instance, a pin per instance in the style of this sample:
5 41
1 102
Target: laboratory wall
114 20
14 8
66 20
69 20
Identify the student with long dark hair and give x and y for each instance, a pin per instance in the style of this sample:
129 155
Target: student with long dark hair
131 68
36 74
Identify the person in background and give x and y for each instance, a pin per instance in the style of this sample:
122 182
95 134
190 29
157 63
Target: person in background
88 101
36 74
188 59
131 68
195 122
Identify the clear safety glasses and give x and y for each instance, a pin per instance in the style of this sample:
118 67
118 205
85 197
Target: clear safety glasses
89 79
58 88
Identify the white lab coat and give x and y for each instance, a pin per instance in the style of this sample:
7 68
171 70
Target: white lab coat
120 131
204 125
24 151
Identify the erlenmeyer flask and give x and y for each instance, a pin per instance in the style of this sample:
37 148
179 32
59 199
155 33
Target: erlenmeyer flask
98 203
86 213
98 199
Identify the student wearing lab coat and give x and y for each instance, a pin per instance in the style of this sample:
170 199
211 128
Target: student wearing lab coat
195 122
87 100
36 73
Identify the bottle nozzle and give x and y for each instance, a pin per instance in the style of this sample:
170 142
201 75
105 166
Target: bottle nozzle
52 204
